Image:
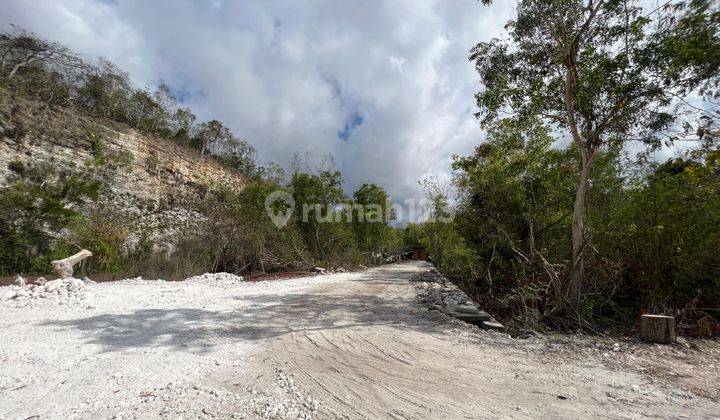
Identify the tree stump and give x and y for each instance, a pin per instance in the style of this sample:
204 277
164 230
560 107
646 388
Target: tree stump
657 328
64 268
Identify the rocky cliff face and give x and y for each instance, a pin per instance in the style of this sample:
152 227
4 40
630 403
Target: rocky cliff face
136 167
153 184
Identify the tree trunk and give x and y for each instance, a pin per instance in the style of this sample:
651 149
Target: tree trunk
578 239
24 62
64 268
14 70
657 328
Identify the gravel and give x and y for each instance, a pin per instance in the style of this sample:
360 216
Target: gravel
345 345
137 347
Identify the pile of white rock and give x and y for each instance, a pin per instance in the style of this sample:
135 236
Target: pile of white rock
442 295
62 290
217 279
331 270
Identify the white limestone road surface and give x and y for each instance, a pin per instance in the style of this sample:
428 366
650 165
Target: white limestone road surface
347 345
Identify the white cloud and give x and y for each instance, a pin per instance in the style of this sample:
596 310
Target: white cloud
288 76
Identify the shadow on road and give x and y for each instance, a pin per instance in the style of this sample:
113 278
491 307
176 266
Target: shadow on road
259 316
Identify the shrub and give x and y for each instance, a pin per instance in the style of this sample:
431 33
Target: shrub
33 210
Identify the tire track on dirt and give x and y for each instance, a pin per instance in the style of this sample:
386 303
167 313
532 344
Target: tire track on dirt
361 369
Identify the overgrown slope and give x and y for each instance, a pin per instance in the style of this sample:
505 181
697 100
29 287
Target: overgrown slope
151 187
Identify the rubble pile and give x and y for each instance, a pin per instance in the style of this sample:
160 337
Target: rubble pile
63 291
331 270
442 295
227 278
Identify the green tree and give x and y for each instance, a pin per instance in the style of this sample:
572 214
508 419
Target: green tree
371 213
105 91
585 66
183 125
210 134
238 154
663 231
414 235
317 200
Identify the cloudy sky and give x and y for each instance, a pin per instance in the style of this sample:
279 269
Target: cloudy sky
383 86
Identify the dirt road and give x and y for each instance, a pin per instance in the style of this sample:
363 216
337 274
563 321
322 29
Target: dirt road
353 345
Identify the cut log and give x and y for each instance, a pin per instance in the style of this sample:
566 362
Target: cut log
64 268
657 328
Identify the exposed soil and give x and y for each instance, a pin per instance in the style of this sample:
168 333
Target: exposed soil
348 345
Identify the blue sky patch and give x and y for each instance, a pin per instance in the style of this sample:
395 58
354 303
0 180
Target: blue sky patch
182 91
353 121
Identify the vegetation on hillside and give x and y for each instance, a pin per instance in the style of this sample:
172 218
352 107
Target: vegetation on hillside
47 213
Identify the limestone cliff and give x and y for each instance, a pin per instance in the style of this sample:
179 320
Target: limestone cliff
136 166
153 183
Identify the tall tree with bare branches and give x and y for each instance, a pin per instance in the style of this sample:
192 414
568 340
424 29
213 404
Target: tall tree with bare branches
21 48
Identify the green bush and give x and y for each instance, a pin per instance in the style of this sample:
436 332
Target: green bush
652 230
33 210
